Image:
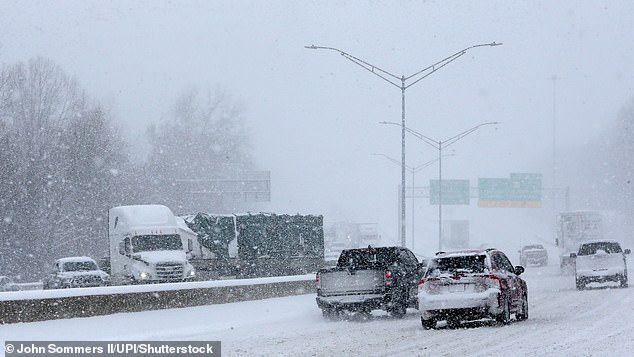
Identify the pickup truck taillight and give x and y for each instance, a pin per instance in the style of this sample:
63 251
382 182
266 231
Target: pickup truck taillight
388 278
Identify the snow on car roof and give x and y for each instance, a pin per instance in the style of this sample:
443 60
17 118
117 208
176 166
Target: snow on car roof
75 259
457 253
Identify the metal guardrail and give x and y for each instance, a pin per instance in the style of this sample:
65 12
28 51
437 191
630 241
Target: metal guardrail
30 309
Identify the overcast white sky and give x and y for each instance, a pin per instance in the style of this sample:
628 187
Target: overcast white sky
314 115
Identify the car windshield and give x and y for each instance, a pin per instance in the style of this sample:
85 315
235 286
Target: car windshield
592 248
80 266
156 242
366 258
534 246
457 265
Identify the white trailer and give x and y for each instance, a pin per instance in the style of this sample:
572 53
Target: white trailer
573 228
145 245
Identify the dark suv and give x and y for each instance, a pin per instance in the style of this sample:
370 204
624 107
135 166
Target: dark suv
470 285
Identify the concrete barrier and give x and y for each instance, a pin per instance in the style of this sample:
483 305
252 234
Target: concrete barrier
29 310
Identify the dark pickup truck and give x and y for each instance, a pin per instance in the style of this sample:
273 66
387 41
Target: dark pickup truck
369 279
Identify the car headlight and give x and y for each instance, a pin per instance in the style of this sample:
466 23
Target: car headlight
144 275
192 273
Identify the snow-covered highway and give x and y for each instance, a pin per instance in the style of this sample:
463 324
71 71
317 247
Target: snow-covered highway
562 322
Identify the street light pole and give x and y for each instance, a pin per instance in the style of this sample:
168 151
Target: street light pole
438 145
413 170
394 80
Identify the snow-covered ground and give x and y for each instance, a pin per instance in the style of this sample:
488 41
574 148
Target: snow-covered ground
562 322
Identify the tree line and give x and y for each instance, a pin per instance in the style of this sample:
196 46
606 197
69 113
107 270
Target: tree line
64 162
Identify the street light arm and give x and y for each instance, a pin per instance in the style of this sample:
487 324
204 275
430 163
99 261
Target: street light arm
465 133
409 168
383 74
428 163
440 64
392 159
426 139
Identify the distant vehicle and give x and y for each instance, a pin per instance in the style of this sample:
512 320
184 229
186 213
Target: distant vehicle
533 254
369 279
7 284
600 262
145 246
471 285
573 228
334 251
75 272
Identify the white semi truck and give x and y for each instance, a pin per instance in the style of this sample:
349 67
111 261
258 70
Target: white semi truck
145 245
573 228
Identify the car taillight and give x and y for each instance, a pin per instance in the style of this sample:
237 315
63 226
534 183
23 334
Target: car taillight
432 286
492 282
317 280
388 278
421 281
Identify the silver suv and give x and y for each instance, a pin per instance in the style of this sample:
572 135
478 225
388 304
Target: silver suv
599 262
470 285
75 272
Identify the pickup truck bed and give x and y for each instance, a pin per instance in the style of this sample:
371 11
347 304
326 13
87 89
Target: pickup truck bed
369 279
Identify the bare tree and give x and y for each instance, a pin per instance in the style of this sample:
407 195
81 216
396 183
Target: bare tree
56 166
202 141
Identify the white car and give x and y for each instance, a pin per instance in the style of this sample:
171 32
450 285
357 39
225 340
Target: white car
6 284
471 285
75 272
599 262
534 254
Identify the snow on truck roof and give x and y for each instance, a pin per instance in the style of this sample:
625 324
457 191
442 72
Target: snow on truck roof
144 215
599 241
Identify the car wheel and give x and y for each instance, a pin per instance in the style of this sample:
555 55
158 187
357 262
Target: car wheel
581 285
399 309
504 318
399 305
330 313
523 313
623 280
428 324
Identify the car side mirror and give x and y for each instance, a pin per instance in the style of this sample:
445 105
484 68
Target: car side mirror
519 270
627 251
573 255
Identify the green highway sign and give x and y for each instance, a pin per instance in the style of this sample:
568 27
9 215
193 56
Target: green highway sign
520 190
454 192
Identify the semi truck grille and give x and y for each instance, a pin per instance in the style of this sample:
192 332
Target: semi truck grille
169 271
